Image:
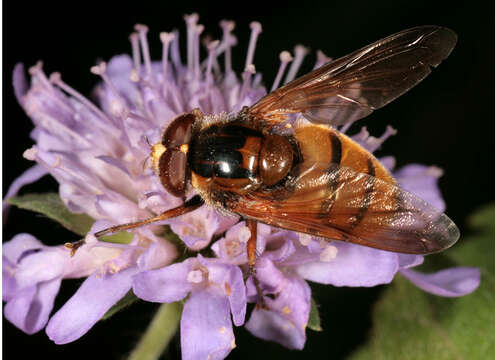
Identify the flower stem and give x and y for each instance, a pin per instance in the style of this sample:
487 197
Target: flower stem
159 333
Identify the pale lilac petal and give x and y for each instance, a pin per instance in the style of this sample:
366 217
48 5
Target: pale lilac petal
237 295
9 284
164 285
20 82
196 228
285 321
159 254
29 176
271 278
41 266
422 181
279 246
453 282
354 265
409 260
91 301
205 327
21 243
31 307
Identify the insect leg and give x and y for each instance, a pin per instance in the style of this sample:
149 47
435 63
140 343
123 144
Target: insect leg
191 205
251 253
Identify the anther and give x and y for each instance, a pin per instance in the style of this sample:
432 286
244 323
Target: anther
285 58
321 59
143 30
248 72
227 42
37 72
255 31
30 154
191 21
100 69
166 38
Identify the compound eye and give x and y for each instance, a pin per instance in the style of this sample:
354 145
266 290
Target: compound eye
172 167
179 131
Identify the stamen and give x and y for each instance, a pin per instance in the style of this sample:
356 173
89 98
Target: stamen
143 30
198 29
100 69
321 59
174 50
56 78
255 31
227 26
212 46
299 54
346 126
248 72
285 58
191 21
305 239
136 55
329 253
37 72
374 143
166 38
195 276
244 235
30 154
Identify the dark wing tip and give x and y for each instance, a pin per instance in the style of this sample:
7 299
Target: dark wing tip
442 235
439 40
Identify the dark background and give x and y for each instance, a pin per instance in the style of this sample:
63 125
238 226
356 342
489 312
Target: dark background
445 121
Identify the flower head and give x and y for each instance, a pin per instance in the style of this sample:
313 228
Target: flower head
96 153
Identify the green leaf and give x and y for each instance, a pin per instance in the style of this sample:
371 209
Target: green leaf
159 333
122 237
411 324
314 322
50 205
126 301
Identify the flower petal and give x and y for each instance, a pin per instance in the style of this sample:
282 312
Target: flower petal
237 296
20 82
29 176
422 181
90 302
206 328
453 282
354 265
29 309
21 243
288 316
163 285
41 266
409 260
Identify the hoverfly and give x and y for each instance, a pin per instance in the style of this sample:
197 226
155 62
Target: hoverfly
306 176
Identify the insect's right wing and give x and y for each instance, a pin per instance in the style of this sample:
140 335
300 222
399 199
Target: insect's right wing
351 87
338 203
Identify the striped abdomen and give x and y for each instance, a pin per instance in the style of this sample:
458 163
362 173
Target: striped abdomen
323 145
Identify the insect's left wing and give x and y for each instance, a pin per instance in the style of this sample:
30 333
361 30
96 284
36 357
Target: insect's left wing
338 203
351 87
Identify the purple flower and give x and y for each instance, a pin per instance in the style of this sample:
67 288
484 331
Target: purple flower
216 290
96 153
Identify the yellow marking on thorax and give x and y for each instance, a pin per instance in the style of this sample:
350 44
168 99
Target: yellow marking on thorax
157 151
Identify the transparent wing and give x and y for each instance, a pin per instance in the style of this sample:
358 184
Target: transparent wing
351 87
338 203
